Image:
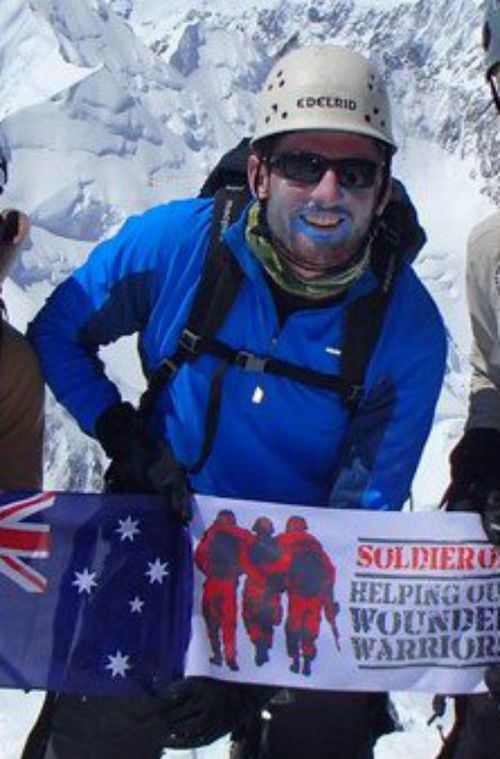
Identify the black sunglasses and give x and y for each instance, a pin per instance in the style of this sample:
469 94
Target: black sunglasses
309 168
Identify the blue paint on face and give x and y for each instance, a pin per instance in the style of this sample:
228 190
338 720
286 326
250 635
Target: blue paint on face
329 236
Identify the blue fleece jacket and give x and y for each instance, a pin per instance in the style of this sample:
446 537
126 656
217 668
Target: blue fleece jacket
298 445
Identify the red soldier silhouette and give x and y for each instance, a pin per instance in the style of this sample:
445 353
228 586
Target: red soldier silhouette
309 583
219 556
264 563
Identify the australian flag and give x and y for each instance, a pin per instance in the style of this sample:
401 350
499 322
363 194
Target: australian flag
95 593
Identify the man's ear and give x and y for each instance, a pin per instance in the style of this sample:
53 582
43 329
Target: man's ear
383 202
258 177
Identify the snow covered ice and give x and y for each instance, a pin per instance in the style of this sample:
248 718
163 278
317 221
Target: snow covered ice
112 106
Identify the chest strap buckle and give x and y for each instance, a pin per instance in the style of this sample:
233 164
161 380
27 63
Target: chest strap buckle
190 342
249 362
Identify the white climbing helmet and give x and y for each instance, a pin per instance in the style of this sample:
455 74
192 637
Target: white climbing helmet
324 87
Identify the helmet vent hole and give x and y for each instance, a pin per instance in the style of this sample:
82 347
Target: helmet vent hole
324 88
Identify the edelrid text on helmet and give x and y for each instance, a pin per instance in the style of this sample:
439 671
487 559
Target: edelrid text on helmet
491 45
324 88
326 102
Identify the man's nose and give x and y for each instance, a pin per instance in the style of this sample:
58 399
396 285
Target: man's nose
328 188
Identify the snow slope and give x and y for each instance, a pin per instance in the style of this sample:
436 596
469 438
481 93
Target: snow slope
111 106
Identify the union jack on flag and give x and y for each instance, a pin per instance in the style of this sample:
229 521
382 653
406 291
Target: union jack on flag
95 593
20 539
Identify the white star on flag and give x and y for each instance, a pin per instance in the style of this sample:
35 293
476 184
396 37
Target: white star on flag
85 581
128 528
118 664
136 605
157 571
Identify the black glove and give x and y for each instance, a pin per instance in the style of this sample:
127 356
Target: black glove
139 463
476 457
10 226
492 680
199 710
475 478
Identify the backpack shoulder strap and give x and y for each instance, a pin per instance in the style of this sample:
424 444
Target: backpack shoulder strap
231 170
398 239
217 289
363 326
221 276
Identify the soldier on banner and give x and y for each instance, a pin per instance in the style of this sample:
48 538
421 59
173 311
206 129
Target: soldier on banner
219 556
309 584
265 564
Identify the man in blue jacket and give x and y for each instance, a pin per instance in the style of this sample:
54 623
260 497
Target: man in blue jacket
320 174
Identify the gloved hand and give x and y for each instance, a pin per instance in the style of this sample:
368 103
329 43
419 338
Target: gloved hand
199 710
475 478
10 224
139 463
492 680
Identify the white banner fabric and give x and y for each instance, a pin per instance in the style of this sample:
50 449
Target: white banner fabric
343 600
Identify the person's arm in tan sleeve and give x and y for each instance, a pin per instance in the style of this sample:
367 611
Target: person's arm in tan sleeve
483 293
21 413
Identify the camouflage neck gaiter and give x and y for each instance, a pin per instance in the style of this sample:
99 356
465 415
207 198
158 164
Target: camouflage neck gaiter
281 272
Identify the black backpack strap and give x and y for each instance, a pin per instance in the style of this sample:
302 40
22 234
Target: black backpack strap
253 362
220 281
363 326
212 416
230 171
398 239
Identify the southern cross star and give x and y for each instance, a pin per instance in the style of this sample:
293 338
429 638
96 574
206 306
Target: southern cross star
118 664
85 581
157 570
128 528
136 605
